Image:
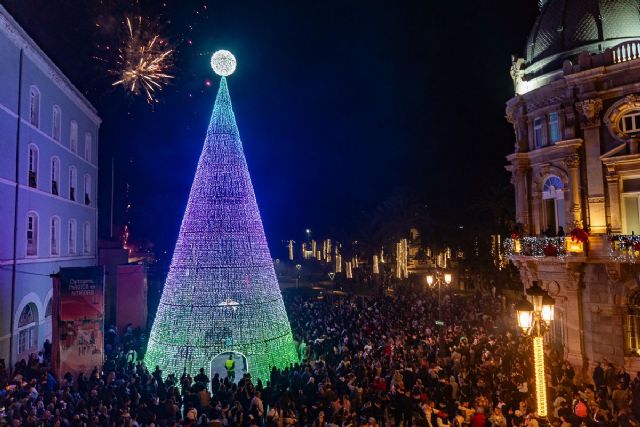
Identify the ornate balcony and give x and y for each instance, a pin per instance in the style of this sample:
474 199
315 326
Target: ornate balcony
536 246
625 248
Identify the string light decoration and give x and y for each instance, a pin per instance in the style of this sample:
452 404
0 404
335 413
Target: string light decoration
536 246
221 293
625 248
538 363
402 272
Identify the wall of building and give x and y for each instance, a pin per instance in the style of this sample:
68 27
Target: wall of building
28 274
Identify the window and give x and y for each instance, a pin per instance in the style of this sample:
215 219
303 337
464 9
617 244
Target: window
554 128
86 243
87 189
55 131
34 106
32 234
73 232
554 207
73 183
33 166
27 331
631 206
630 123
55 235
88 140
73 136
55 175
537 132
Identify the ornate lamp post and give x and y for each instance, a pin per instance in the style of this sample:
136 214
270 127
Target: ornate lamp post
534 319
438 279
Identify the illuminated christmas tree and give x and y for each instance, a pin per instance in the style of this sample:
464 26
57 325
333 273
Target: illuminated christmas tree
221 294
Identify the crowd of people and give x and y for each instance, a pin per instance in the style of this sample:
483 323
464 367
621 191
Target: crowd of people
387 360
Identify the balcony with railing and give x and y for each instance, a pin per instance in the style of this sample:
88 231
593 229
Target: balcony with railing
628 50
625 248
538 247
600 248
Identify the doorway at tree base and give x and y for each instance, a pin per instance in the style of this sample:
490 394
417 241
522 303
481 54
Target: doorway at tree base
220 365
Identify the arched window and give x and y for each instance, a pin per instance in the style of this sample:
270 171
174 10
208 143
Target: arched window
73 233
86 239
55 175
73 183
554 207
33 165
57 116
32 234
87 189
34 106
73 136
55 235
27 331
88 141
633 323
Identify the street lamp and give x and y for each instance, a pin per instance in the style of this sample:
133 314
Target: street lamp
438 279
534 319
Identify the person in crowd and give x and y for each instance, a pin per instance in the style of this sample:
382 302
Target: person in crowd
370 361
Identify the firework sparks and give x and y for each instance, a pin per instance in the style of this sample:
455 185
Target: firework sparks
144 61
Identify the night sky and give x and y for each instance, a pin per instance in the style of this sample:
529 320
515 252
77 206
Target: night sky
339 104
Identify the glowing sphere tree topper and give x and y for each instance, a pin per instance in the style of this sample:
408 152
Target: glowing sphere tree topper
223 63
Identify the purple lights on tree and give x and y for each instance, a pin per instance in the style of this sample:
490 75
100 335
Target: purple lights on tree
221 294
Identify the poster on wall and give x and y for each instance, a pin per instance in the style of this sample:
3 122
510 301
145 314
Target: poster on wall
80 330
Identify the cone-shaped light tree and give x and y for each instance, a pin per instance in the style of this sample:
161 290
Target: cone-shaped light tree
221 293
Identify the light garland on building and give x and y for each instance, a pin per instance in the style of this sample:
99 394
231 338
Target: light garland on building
536 246
402 272
221 293
538 360
625 248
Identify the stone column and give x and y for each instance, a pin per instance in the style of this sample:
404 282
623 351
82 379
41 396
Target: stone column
536 218
589 110
574 319
575 206
613 186
522 205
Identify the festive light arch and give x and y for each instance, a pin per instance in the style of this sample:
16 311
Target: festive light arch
221 293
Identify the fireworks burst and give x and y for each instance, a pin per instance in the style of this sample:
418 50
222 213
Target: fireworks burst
144 62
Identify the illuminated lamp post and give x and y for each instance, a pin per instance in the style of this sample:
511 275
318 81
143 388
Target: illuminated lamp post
534 319
438 279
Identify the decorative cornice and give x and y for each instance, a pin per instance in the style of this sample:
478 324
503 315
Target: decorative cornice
21 39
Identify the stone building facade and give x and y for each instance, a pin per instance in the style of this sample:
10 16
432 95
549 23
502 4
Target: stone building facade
576 164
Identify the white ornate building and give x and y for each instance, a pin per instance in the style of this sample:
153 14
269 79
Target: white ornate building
48 187
576 163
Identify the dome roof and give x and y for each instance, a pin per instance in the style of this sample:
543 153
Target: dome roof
565 28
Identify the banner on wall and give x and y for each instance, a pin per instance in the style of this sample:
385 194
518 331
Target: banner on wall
80 326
